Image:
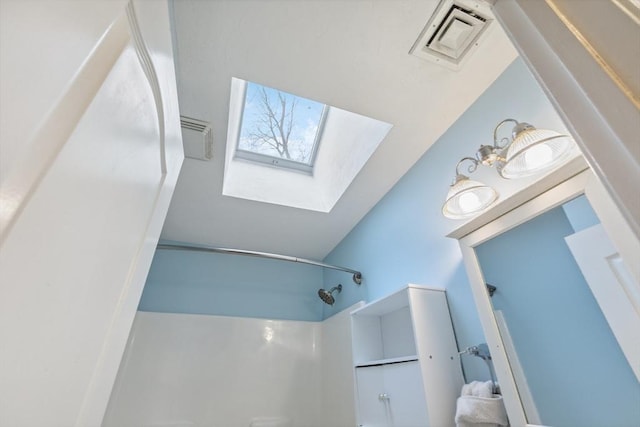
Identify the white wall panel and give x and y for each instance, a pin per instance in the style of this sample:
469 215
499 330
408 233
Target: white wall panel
93 151
182 369
338 397
31 37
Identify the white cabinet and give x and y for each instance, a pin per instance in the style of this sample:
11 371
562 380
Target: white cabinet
407 369
391 395
90 161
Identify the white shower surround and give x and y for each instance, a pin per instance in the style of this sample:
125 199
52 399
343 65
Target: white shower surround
184 370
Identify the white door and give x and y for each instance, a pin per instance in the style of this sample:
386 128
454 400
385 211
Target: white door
84 198
613 286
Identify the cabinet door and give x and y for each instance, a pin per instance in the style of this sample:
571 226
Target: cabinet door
372 412
405 391
391 396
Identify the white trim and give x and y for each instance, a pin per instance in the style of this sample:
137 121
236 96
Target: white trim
537 205
171 157
427 287
583 183
613 287
501 365
525 393
152 77
563 173
59 124
603 120
615 225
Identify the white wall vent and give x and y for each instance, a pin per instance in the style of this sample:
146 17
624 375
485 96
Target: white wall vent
453 32
197 138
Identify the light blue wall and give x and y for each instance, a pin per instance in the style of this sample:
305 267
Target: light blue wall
575 368
232 285
580 213
402 239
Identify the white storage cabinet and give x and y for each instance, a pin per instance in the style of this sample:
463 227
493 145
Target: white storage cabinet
406 364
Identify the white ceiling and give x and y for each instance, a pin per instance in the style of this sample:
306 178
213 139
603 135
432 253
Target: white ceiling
352 54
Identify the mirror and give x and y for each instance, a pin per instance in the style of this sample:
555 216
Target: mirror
568 366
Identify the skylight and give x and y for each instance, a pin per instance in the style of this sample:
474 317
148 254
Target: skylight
329 144
279 128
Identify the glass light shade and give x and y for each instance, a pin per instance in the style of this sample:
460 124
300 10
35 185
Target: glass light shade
467 198
533 151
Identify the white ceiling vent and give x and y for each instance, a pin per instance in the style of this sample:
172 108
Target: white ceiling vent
453 32
197 138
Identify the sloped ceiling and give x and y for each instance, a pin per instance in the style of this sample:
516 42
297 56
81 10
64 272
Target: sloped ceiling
351 54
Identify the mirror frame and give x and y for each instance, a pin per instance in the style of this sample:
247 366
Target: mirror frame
538 202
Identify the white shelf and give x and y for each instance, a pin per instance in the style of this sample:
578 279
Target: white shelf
393 302
404 346
384 335
390 361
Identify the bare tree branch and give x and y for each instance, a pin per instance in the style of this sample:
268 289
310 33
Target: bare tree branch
275 125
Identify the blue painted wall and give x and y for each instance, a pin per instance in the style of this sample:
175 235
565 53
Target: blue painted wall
402 239
580 213
576 371
231 285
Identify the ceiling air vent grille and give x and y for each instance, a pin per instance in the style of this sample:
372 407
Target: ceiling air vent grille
452 32
197 138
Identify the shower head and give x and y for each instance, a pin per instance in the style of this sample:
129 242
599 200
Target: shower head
327 296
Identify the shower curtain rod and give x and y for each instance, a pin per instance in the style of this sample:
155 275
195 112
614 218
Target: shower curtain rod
357 276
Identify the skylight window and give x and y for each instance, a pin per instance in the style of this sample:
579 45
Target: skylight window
279 129
346 142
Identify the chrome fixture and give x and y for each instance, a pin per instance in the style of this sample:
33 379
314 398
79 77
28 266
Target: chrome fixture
327 296
357 276
491 289
482 351
529 151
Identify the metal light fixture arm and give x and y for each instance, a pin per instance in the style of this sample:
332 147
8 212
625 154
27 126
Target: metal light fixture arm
505 141
491 155
525 152
470 169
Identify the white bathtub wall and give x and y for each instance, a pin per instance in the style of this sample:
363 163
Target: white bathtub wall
201 370
338 396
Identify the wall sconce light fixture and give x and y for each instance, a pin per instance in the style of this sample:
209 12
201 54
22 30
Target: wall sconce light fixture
529 151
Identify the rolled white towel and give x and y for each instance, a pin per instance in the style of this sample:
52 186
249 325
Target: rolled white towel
467 389
476 411
477 388
483 389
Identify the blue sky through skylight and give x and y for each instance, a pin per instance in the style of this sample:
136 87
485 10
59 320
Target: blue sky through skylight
279 124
